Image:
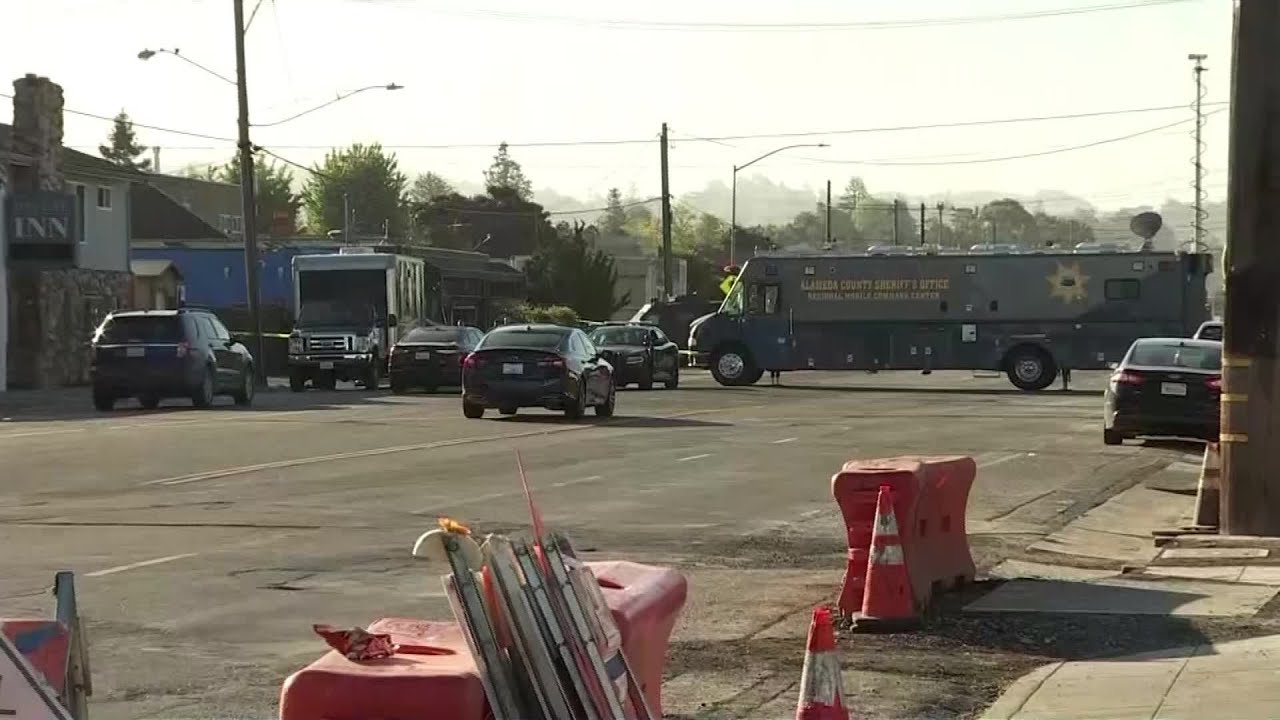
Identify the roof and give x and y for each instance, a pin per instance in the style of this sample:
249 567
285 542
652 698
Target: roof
212 201
158 216
77 163
153 268
536 327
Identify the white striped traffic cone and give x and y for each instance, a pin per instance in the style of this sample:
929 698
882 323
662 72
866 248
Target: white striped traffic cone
821 690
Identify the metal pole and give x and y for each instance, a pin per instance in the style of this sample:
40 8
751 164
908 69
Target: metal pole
1250 433
346 218
733 216
922 224
1198 222
940 225
667 287
249 221
894 209
828 213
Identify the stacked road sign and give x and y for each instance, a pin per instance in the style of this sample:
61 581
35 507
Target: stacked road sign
543 637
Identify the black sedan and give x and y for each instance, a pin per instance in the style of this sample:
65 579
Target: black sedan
640 353
428 357
547 366
1165 386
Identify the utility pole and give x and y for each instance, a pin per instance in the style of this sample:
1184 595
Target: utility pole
993 231
941 206
828 213
1250 437
346 218
155 159
894 209
249 219
922 224
666 221
1197 224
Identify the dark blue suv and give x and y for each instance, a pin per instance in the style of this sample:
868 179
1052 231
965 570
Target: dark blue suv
157 354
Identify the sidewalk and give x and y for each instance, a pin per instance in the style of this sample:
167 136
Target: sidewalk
1236 680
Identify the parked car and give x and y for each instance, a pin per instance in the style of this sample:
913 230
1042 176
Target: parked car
431 356
548 366
1209 330
639 353
158 354
1165 386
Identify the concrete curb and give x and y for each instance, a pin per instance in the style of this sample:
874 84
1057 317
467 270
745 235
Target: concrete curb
1012 700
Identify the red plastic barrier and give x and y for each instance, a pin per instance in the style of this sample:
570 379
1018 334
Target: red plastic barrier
646 601
45 644
406 686
929 498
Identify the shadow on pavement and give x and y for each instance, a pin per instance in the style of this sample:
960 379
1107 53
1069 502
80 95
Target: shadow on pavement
1176 444
891 389
633 421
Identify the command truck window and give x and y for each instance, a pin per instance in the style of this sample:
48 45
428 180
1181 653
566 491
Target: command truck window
1123 289
771 294
733 301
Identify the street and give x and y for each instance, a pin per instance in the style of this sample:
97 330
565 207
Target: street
206 543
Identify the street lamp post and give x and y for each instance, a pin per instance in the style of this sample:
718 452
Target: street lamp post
733 211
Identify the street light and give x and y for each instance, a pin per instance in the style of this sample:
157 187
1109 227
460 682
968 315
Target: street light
147 54
733 219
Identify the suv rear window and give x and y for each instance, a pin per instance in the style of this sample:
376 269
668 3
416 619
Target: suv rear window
142 329
516 339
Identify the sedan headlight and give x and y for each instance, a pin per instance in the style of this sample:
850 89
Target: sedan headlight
295 345
362 345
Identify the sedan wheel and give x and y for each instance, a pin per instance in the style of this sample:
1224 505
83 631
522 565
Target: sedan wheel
577 407
244 396
606 408
203 396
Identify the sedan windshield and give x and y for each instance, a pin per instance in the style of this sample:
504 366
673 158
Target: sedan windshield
521 339
1200 356
619 336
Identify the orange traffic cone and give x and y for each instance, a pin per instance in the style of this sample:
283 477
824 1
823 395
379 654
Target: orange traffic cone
821 690
887 601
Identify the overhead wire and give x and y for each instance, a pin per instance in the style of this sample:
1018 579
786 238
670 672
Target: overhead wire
819 26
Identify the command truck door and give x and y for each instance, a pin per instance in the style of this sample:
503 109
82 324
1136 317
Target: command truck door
769 326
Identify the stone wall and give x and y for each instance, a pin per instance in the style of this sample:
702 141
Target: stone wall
52 316
37 132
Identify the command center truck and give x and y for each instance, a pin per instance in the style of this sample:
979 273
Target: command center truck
1028 315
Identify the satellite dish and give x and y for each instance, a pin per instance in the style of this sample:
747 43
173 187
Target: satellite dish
1146 224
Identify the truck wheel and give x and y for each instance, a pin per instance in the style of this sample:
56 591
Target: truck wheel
372 378
103 401
297 381
1030 368
733 366
472 410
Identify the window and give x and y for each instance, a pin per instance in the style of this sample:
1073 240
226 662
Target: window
658 337
80 198
588 348
219 330
1123 289
206 328
771 299
104 198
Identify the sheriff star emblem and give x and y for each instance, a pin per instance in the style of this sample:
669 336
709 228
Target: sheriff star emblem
1068 283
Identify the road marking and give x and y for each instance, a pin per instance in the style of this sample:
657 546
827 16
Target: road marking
694 457
785 440
1000 460
316 459
134 566
503 494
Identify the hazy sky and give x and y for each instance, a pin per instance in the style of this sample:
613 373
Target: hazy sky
571 70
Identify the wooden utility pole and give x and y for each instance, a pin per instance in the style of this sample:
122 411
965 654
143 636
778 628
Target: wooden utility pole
941 226
922 224
248 203
894 209
1250 435
666 222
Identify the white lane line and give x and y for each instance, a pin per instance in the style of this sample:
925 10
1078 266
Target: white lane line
785 440
694 457
999 460
37 433
134 566
315 459
504 494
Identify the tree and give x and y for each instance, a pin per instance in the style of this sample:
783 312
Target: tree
874 220
1011 221
123 148
567 269
428 186
853 193
614 221
371 179
502 226
273 193
505 176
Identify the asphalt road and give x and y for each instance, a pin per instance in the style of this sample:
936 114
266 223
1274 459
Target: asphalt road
207 542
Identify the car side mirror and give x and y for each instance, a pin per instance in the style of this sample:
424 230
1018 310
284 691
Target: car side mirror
391 320
1113 365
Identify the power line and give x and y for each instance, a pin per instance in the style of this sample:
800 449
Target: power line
722 26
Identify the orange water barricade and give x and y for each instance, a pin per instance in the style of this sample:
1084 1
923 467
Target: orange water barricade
433 676
929 497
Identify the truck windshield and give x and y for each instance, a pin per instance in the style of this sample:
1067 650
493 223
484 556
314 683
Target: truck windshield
333 312
733 301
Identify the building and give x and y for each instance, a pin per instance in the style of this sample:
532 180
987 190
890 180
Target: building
66 238
157 285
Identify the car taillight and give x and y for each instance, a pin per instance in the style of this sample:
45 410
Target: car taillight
1126 378
1214 383
184 348
556 364
471 361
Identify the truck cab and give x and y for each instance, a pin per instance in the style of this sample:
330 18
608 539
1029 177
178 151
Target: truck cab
336 340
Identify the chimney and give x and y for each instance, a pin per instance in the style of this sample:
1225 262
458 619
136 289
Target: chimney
37 133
